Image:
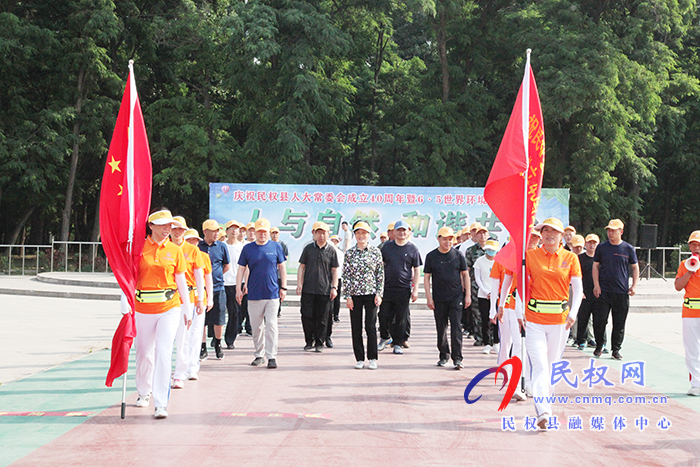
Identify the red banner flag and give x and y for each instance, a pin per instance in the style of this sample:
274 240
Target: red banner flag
125 200
514 185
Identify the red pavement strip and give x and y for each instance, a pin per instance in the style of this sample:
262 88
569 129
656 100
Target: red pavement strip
317 409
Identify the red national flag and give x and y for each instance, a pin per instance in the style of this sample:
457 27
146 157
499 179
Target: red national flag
124 204
515 182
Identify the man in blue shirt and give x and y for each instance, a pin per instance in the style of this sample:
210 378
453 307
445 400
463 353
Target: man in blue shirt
611 265
220 264
264 259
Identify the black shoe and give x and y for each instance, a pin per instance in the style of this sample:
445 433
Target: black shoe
319 348
605 351
230 346
442 362
329 343
217 349
597 353
616 355
272 363
308 347
279 315
336 319
591 344
478 344
258 361
203 354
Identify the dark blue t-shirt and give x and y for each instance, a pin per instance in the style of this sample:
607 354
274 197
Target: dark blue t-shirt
399 262
446 270
262 261
615 263
218 254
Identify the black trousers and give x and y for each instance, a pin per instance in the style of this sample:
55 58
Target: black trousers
584 314
244 317
394 316
471 317
315 310
451 312
619 304
489 331
366 303
234 314
334 310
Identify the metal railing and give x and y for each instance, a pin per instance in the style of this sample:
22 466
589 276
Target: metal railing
59 256
658 260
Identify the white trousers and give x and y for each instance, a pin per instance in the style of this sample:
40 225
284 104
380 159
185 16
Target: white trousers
182 344
263 318
545 345
154 353
195 341
691 342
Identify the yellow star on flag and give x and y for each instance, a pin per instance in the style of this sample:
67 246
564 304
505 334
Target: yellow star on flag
121 190
114 165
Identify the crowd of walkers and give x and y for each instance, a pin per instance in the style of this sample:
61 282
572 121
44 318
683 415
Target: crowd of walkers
232 282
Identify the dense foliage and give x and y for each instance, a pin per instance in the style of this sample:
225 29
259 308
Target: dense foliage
376 92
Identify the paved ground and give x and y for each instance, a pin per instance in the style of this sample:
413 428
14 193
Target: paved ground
315 408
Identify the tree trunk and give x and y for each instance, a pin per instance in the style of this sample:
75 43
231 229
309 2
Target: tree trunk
381 45
634 216
20 224
65 221
442 52
664 223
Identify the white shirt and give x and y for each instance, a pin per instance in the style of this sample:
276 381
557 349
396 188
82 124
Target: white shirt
482 273
341 259
234 252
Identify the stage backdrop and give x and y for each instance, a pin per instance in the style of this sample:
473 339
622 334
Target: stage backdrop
294 209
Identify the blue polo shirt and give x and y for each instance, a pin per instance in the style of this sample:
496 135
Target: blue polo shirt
218 254
262 261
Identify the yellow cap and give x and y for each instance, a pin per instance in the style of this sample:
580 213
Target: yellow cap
383 234
552 222
491 245
578 240
179 222
534 232
335 237
275 229
192 233
478 227
390 226
320 225
232 223
161 217
694 237
446 232
592 238
615 224
221 235
262 224
570 227
362 226
210 224
250 225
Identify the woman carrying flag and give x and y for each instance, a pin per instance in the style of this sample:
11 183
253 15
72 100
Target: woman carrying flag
550 269
160 285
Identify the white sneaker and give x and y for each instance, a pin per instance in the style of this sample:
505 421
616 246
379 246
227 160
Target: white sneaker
193 377
528 391
372 364
178 384
694 391
359 365
496 348
143 401
542 421
161 412
519 396
487 349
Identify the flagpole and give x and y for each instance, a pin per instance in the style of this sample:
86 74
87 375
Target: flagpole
525 128
124 397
